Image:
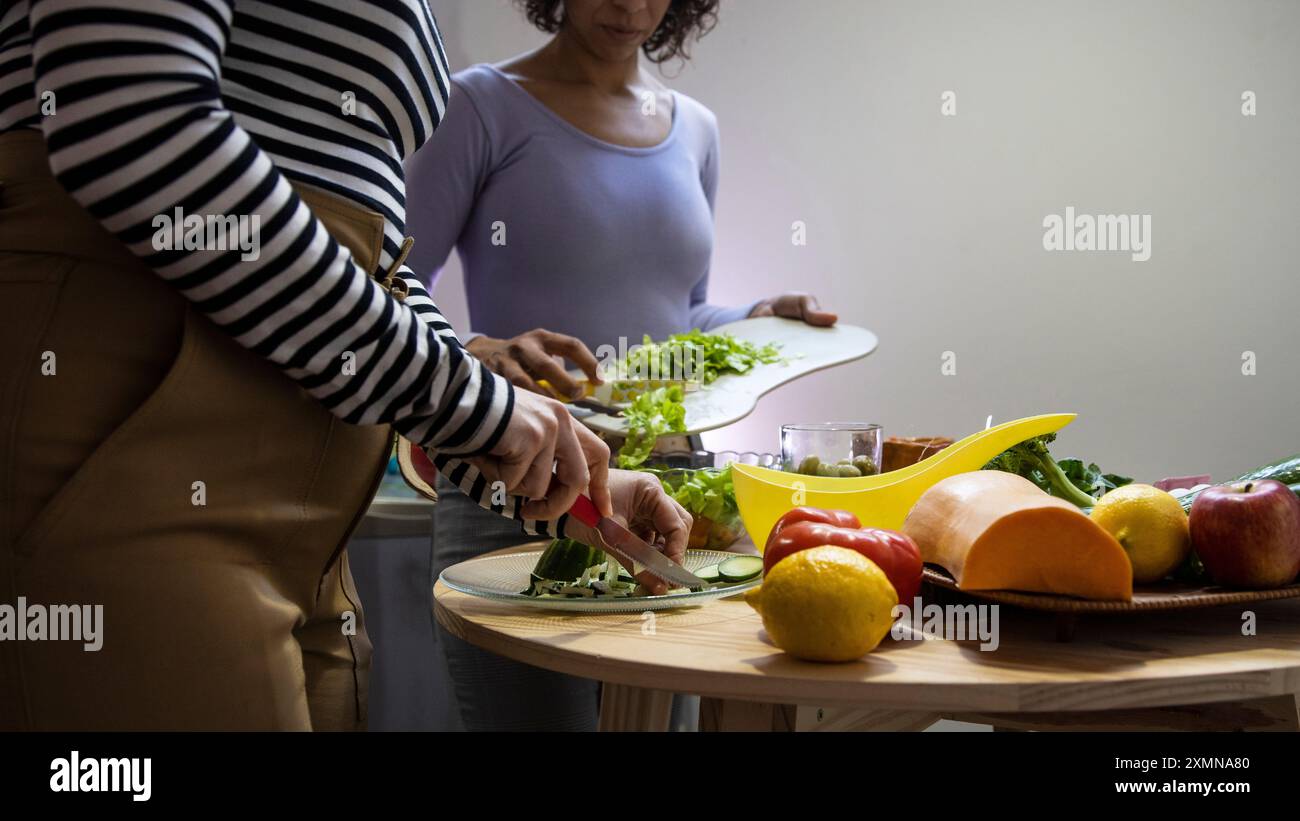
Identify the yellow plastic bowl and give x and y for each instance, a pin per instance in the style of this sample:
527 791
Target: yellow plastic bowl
882 500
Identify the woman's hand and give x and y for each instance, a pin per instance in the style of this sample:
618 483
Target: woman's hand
641 504
795 305
531 356
549 457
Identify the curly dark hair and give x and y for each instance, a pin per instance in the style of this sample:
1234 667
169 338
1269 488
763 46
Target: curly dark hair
684 20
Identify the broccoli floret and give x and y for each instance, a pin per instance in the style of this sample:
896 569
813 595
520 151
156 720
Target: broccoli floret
1032 460
1020 461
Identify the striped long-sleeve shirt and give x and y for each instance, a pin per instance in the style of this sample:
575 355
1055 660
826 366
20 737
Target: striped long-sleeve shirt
212 107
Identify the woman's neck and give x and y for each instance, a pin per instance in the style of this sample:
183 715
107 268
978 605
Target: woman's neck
573 62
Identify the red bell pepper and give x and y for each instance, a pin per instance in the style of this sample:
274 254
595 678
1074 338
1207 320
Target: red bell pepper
838 518
804 527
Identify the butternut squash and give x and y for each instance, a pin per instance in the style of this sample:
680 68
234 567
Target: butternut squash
998 531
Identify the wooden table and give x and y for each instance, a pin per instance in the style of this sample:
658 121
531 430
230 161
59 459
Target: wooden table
1181 670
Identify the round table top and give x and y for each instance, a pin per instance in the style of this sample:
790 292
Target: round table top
720 650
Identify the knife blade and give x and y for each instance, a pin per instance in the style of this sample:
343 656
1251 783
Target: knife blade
593 405
626 545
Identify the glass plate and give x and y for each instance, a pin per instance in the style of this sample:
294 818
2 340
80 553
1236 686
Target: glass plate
501 578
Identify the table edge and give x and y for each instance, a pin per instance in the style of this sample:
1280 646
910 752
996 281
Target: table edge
1156 691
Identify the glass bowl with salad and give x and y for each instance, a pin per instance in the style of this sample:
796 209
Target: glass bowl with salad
709 496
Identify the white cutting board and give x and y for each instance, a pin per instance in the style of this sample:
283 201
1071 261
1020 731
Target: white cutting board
733 396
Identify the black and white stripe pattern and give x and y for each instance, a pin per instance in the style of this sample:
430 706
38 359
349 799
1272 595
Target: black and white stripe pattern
213 106
476 486
19 107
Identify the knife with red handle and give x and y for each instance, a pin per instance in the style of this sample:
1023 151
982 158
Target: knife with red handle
626 545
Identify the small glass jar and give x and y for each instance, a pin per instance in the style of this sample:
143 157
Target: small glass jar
833 449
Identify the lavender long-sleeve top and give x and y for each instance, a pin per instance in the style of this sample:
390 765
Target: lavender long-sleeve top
560 230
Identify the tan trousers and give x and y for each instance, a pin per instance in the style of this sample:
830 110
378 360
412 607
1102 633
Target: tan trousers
151 465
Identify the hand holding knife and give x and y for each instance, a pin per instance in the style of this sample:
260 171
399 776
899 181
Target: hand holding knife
630 549
640 498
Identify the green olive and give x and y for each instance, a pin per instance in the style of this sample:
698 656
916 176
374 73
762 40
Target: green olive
828 470
847 471
809 465
865 464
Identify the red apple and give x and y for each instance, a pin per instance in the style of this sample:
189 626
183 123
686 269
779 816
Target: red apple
1248 534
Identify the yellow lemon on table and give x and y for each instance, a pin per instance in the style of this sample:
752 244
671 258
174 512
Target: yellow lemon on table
825 604
1150 525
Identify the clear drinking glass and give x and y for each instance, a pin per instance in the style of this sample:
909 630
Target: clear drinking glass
840 449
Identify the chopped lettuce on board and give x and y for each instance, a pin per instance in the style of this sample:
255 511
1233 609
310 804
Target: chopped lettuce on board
651 415
701 355
723 353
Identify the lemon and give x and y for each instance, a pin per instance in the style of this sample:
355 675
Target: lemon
1151 527
825 604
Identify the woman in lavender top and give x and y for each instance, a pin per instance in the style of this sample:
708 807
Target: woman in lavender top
579 192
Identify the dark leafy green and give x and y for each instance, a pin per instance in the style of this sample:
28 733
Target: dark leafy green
1090 479
1191 570
1068 479
1286 471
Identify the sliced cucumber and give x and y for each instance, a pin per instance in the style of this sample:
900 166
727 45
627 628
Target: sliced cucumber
740 568
709 574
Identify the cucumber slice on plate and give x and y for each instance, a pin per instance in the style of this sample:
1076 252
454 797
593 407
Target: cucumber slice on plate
740 568
709 574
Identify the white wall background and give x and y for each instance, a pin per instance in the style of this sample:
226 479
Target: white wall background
928 229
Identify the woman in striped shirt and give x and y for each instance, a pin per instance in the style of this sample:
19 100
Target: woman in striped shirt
201 198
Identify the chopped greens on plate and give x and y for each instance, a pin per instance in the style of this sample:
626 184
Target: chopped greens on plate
569 569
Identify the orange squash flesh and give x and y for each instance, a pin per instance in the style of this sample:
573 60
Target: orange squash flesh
998 531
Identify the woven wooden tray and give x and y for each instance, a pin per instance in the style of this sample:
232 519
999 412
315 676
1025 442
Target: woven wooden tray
1148 598
1164 596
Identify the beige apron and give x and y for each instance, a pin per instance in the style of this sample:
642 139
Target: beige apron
166 473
